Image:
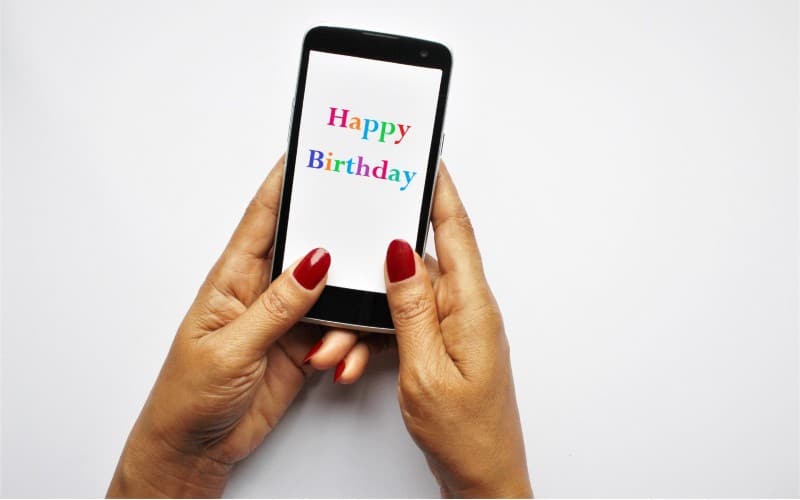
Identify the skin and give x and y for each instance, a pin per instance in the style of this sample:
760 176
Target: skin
240 357
455 386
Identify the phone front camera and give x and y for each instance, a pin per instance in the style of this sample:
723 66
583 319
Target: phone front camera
423 53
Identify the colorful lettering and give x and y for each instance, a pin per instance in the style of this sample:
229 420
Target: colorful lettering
338 117
356 165
368 128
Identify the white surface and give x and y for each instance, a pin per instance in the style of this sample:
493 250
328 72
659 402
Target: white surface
356 217
1 250
631 169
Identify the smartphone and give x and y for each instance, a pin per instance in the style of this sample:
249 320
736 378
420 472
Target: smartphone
361 163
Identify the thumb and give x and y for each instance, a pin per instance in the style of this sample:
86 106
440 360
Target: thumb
283 303
413 307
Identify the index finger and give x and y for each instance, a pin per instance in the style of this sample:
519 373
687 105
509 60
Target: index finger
242 269
456 247
254 235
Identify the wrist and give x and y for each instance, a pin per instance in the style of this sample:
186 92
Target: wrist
508 487
482 481
151 467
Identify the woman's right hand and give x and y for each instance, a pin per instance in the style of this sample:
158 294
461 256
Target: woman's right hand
455 389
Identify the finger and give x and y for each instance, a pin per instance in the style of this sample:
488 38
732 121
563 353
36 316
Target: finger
242 271
297 343
350 368
432 265
456 247
254 235
413 307
353 365
281 305
331 349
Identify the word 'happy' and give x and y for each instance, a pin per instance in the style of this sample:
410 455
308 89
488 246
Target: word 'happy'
359 167
367 126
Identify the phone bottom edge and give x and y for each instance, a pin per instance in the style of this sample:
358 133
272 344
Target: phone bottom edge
348 326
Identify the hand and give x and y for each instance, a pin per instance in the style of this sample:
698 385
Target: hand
236 364
456 391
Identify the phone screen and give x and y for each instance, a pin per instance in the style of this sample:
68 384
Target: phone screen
363 146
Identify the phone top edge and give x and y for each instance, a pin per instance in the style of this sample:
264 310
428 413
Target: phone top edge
337 30
322 38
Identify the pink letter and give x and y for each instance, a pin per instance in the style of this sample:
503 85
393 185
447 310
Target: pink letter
342 117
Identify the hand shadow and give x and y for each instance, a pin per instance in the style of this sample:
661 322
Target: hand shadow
338 441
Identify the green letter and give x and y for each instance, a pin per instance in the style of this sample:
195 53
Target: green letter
385 130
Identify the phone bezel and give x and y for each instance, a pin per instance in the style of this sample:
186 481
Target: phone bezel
345 307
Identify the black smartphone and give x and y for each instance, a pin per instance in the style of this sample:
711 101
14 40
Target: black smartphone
363 153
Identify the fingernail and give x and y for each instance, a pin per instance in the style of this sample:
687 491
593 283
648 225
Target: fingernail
310 271
338 373
312 351
400 261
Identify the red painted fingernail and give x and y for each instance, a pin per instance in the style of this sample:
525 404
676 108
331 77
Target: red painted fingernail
400 261
312 351
339 370
310 271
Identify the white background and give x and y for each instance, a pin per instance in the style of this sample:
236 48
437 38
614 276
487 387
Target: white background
356 217
639 228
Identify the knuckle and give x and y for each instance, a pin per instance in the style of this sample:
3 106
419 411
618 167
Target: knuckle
211 359
276 304
413 309
416 389
479 309
425 385
262 202
458 221
463 221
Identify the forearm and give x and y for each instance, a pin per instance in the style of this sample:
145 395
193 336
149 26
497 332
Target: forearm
150 467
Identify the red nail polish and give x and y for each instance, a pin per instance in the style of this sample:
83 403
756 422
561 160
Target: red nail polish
310 271
400 261
339 370
312 351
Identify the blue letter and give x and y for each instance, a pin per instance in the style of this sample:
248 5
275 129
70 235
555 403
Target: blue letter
315 159
369 126
409 178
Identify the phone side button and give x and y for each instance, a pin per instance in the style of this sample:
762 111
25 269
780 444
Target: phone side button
291 119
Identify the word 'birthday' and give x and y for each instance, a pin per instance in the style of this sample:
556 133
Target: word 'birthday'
318 160
367 126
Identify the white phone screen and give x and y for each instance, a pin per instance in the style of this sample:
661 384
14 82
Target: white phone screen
361 163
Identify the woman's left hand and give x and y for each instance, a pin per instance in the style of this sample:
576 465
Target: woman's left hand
238 360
